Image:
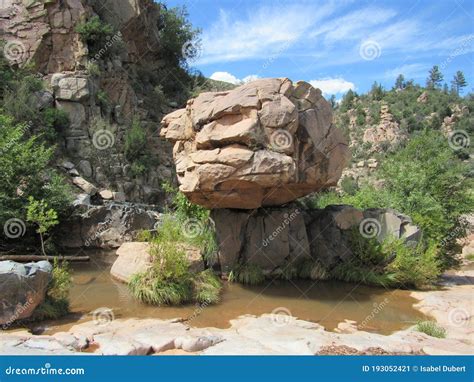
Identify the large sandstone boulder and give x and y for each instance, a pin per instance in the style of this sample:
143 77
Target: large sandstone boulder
23 287
264 143
275 238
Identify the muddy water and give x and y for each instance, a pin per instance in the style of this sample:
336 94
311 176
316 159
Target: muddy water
324 302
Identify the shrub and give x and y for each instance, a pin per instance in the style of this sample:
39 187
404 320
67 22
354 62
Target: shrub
207 287
250 274
431 328
391 263
24 162
94 32
169 281
426 181
56 303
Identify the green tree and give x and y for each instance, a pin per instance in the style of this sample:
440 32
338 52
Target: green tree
25 172
458 82
400 82
376 91
45 218
435 78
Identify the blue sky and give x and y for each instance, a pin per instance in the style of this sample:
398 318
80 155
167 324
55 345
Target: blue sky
336 45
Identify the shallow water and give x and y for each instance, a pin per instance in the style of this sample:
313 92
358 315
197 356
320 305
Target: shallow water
324 302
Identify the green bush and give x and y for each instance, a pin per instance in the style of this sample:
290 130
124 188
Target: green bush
207 287
431 328
24 161
56 303
312 269
169 281
391 263
425 180
95 33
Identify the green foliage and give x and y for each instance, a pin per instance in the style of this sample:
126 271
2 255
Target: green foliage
183 208
95 33
37 212
349 185
169 281
136 149
425 180
56 303
102 99
312 269
207 287
24 162
177 31
391 263
431 328
135 141
458 82
435 78
249 274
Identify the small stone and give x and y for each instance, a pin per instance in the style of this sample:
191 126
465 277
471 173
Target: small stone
106 194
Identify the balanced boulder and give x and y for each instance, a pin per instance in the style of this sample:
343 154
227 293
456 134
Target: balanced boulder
265 143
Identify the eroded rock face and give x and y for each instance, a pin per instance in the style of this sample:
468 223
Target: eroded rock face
23 288
277 238
264 143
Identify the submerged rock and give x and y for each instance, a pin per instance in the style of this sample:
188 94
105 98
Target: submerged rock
23 287
264 143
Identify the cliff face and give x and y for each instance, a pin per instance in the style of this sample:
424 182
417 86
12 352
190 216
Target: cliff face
97 89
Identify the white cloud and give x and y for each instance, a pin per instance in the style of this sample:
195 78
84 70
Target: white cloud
250 78
409 71
225 76
333 85
228 77
259 34
353 25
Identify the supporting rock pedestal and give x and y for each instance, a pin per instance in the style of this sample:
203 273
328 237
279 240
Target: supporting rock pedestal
273 238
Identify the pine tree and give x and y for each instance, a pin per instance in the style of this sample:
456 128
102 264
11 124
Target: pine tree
435 78
400 82
458 82
333 101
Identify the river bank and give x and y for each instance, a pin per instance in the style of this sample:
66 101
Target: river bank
280 333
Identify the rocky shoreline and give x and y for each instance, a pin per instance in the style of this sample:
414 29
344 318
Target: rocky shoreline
270 334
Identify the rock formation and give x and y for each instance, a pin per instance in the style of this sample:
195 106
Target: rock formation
278 238
265 143
23 289
43 34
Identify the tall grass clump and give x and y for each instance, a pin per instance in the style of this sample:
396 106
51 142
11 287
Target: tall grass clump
390 263
56 302
169 281
431 328
249 274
